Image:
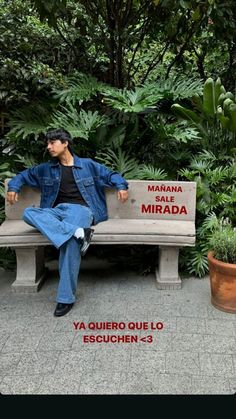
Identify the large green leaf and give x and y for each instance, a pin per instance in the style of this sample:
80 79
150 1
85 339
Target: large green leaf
130 100
79 125
30 120
120 161
149 172
78 88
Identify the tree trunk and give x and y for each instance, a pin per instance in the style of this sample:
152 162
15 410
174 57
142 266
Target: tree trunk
115 27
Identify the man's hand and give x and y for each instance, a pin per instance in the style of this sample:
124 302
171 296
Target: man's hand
122 195
12 197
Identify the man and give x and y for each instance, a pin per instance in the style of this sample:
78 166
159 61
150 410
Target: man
72 199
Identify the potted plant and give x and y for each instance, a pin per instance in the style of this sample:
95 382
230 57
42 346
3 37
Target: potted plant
222 267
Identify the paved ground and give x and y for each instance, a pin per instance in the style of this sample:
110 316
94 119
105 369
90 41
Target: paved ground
195 352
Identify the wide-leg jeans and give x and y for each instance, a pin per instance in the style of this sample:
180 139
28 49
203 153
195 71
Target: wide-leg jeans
59 225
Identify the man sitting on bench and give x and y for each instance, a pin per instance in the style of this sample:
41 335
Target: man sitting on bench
72 199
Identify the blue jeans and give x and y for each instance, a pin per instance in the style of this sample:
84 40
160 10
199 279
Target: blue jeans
59 225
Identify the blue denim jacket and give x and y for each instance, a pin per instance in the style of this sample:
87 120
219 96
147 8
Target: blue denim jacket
90 177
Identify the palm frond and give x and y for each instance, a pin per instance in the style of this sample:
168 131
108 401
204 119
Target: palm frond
120 161
209 224
199 165
187 174
218 199
151 173
216 175
203 207
197 262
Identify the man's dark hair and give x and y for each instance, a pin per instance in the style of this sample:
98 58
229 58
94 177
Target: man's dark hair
58 134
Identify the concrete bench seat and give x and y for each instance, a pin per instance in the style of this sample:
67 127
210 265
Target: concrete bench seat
157 213
17 232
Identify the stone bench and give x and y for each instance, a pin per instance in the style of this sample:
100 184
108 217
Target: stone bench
157 213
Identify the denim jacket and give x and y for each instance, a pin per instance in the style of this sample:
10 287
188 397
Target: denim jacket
90 177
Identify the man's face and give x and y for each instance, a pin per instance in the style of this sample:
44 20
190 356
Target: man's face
56 148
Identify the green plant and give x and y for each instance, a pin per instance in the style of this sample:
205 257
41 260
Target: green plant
35 120
27 160
77 88
223 243
31 120
78 124
131 100
216 198
214 115
177 87
120 161
146 97
149 172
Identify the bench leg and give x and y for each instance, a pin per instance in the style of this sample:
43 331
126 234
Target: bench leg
30 269
167 273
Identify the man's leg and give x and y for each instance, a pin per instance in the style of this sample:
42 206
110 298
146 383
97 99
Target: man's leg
69 259
50 222
81 218
69 264
59 225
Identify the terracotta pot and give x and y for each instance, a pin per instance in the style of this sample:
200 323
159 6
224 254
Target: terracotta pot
223 284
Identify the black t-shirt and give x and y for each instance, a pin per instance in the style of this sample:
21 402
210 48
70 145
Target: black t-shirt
68 192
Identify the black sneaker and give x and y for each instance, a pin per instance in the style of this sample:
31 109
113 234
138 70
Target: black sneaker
88 234
62 309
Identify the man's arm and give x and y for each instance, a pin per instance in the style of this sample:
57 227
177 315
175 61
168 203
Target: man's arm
122 195
26 177
111 179
12 197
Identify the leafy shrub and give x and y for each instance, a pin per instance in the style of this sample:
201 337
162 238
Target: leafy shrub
223 244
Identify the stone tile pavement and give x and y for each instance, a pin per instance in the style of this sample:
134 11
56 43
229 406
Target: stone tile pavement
194 353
